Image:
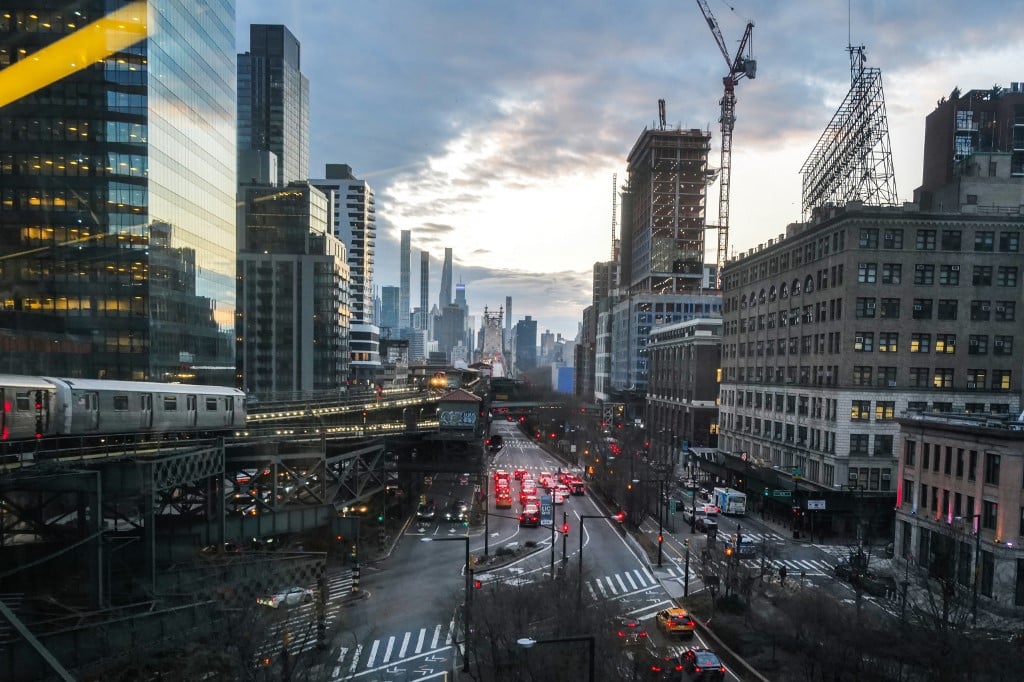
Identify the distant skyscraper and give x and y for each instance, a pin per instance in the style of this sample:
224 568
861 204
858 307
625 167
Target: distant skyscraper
424 288
526 344
389 298
445 297
508 324
117 224
404 302
273 101
460 297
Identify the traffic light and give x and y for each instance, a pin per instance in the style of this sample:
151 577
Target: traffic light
686 544
565 529
477 584
380 518
661 538
620 516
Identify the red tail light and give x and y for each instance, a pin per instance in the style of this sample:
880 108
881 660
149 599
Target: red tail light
722 668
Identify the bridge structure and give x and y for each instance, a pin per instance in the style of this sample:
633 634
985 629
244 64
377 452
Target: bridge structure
109 550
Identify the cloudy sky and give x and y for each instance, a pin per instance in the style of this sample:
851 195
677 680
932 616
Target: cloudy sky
495 127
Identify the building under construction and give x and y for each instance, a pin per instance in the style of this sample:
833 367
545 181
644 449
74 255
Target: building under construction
663 213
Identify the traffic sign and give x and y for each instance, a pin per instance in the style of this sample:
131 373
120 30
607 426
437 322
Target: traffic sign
547 510
782 493
815 505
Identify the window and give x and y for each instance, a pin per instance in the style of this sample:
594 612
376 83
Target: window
858 443
170 403
945 343
976 379
947 309
862 375
988 514
1009 241
120 403
890 308
892 273
1001 379
868 238
977 344
951 240
864 342
925 240
919 377
920 343
211 404
922 309
991 468
926 456
909 452
917 405
959 464
981 310
949 275
982 276
888 342
1006 311
1006 276
887 377
943 378
1002 345
883 446
984 240
860 410
892 239
885 411
972 467
865 307
947 463
924 273
867 273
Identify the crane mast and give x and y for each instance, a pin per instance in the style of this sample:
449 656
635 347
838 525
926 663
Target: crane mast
740 66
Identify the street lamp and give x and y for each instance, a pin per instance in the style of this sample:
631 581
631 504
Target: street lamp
466 602
579 582
528 643
977 565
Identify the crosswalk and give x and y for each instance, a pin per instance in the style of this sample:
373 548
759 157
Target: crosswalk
621 584
425 643
795 566
299 622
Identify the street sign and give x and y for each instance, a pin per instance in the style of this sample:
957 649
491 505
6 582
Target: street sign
815 505
547 510
782 493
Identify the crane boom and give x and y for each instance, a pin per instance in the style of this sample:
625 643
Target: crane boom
741 66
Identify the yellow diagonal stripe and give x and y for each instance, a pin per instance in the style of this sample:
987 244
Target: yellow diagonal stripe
116 31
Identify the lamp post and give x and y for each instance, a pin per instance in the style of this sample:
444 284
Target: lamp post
468 599
579 576
528 643
977 565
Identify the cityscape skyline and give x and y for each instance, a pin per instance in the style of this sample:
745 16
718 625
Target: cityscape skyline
492 115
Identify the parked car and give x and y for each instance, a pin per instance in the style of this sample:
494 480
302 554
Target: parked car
290 596
702 664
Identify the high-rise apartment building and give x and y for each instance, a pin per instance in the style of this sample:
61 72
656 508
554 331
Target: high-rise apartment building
389 297
424 290
273 101
445 296
507 340
293 322
404 267
664 230
526 344
117 220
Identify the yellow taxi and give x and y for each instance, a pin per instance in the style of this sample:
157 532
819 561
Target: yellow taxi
676 621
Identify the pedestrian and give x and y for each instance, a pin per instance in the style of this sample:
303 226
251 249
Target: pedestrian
782 575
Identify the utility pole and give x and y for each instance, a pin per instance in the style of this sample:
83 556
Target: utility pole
661 508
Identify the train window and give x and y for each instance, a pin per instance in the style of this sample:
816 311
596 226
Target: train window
120 403
190 403
24 404
146 402
170 403
211 404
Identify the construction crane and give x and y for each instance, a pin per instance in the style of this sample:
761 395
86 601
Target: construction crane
741 66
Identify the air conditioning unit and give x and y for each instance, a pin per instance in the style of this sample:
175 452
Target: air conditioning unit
986 308
871 305
998 344
892 384
917 308
954 268
919 266
885 476
971 384
859 339
1000 309
889 236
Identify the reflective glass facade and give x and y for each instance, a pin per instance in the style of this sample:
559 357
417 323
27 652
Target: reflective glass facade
117 182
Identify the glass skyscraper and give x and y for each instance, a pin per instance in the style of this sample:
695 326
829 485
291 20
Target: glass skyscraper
117 199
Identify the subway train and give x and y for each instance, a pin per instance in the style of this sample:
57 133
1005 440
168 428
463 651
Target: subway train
43 407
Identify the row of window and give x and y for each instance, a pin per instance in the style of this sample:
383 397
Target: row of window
951 505
888 342
949 275
945 240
